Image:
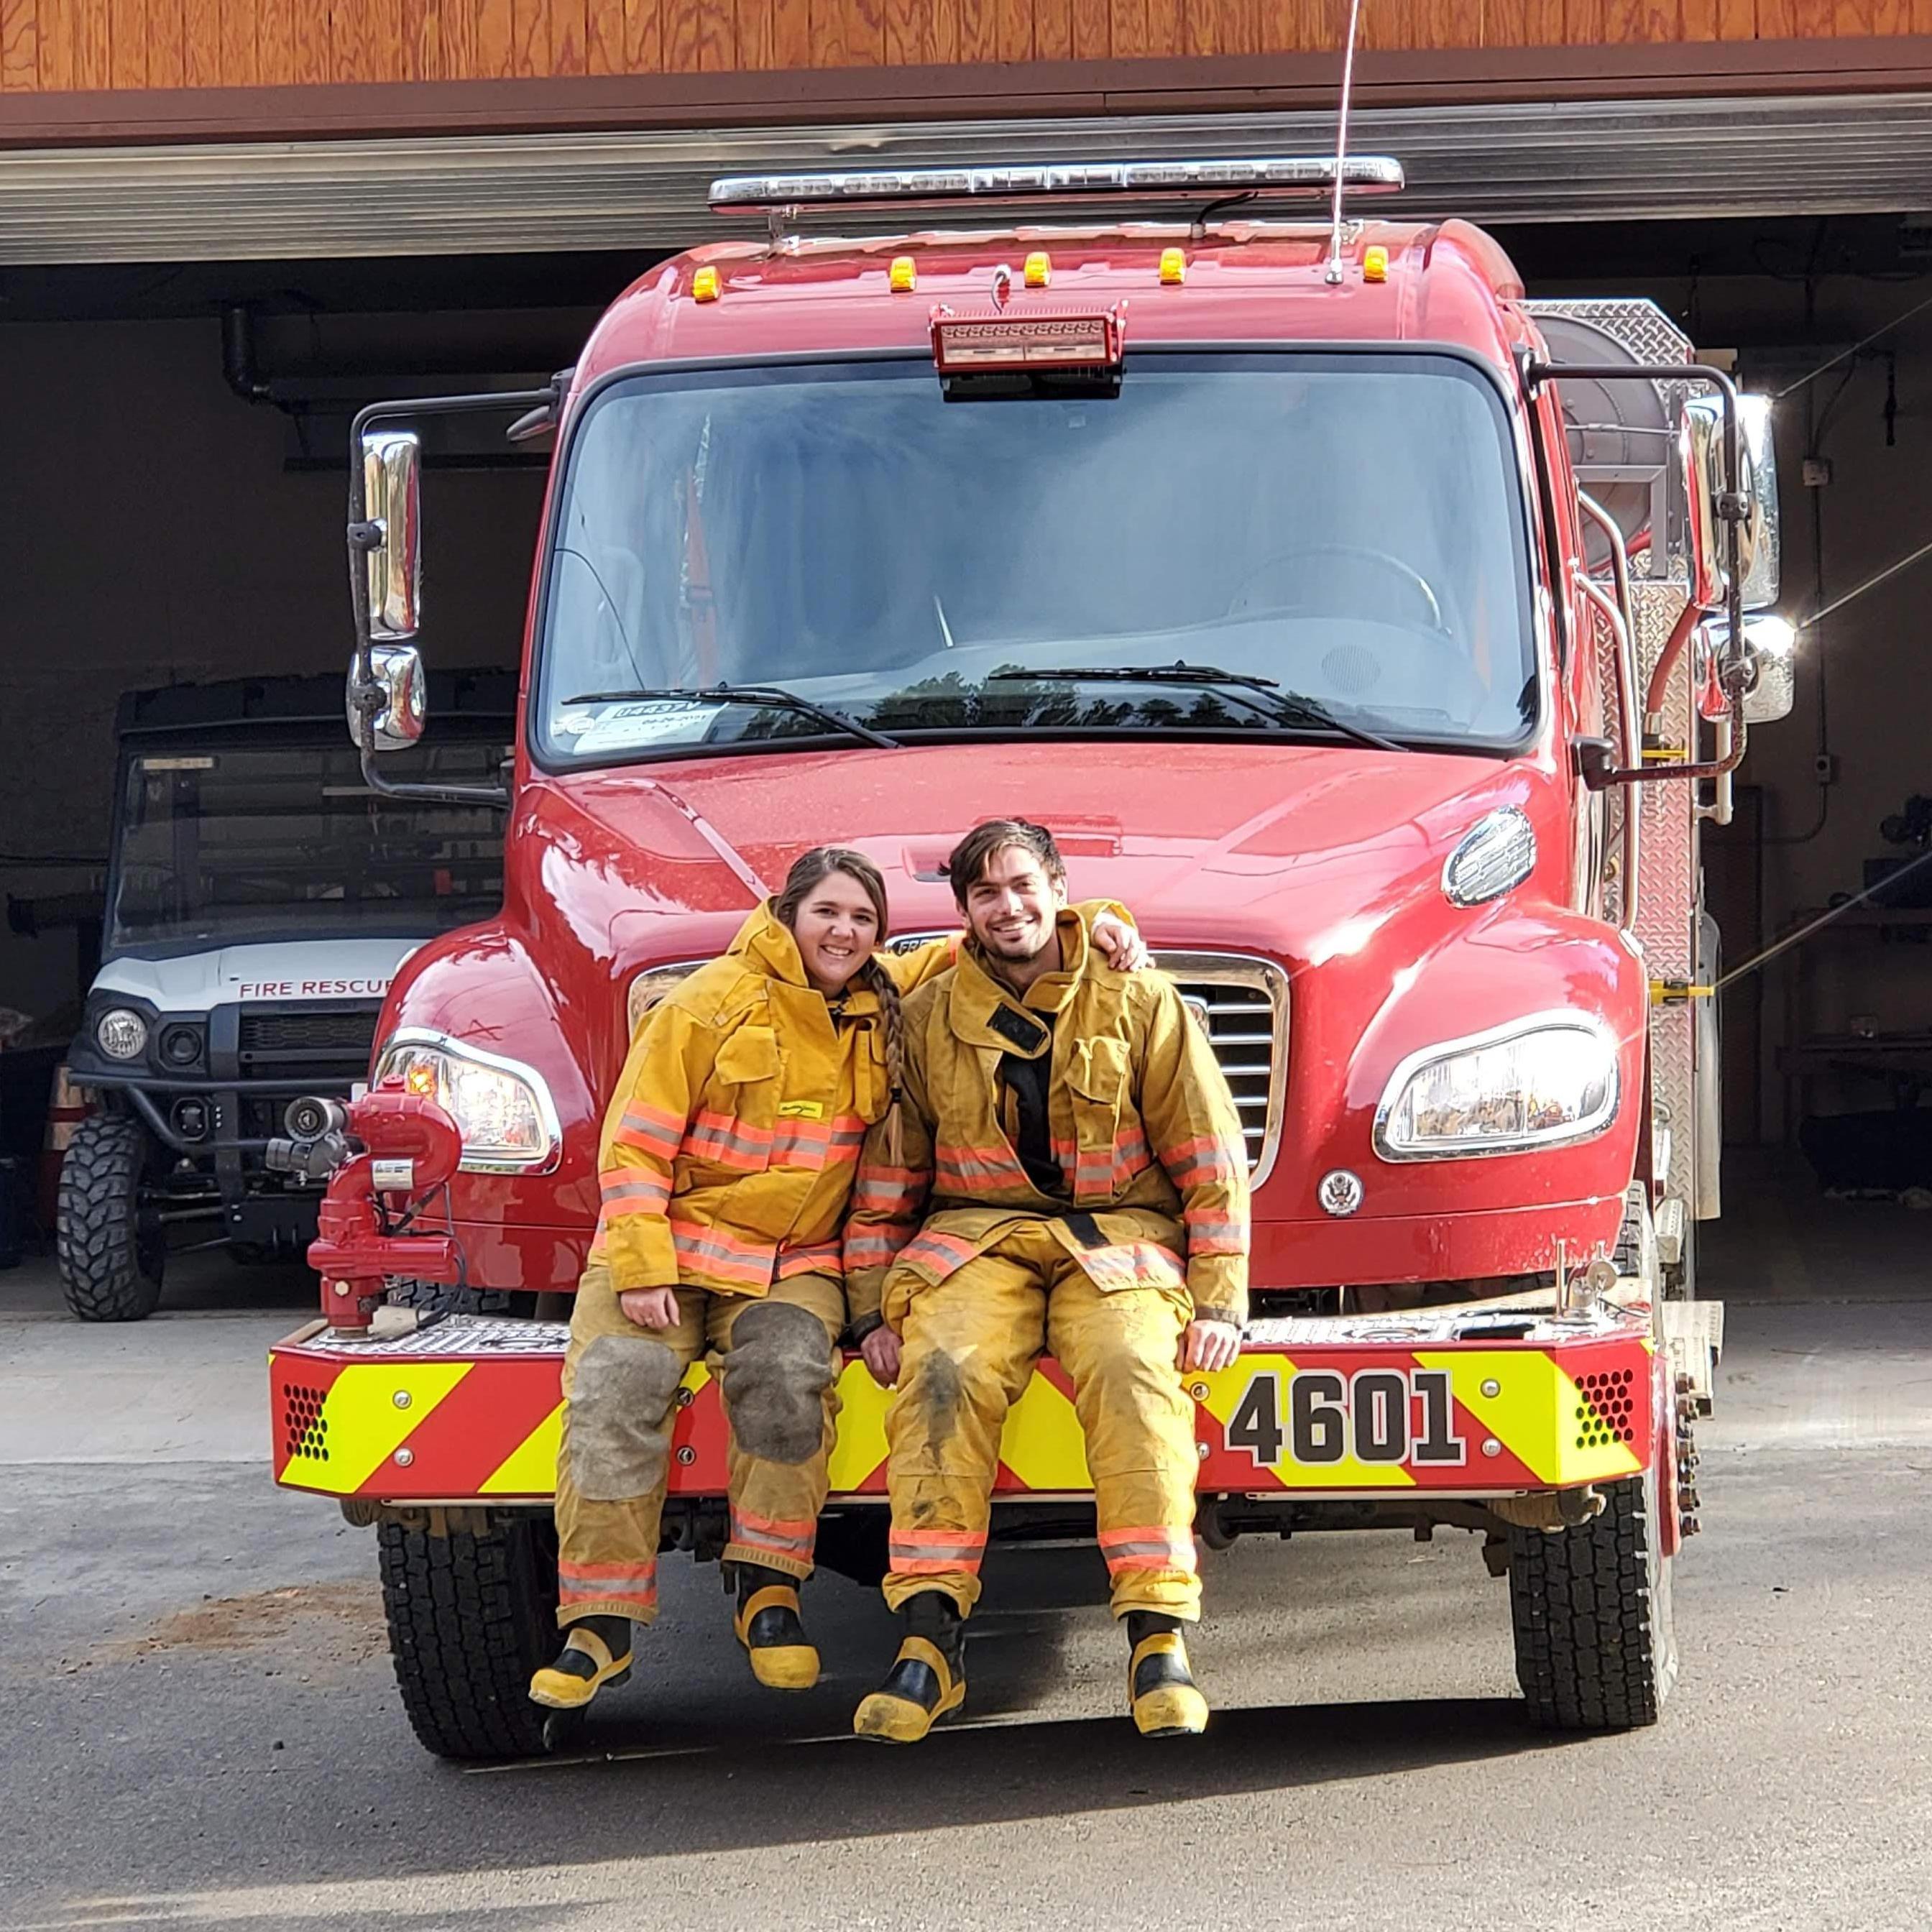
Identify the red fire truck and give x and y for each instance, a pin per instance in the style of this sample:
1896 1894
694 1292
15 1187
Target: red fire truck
1376 633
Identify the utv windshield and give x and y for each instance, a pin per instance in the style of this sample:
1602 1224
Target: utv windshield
1350 526
221 846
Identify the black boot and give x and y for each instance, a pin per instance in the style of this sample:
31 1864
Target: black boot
596 1651
1161 1690
769 1626
928 1679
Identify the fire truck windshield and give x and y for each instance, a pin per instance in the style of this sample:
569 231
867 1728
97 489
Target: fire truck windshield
1352 525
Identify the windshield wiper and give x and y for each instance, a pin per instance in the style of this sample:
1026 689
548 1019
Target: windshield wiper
773 697
1287 707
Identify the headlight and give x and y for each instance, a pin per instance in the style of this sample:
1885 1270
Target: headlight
1537 1083
501 1108
1497 852
121 1034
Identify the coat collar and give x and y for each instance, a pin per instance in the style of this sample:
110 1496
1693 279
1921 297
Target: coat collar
979 999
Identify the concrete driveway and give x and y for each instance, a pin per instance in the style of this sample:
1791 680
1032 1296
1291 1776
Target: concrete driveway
200 1729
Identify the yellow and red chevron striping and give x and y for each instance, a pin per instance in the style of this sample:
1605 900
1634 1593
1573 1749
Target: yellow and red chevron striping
1363 1418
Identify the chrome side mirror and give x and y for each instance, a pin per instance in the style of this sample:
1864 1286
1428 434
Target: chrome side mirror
1761 578
391 532
1770 667
396 674
1701 459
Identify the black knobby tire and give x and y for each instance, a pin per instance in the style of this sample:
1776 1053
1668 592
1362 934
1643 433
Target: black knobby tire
1596 1649
110 1267
471 1617
439 1297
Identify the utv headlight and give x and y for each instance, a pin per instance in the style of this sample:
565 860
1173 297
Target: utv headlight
121 1034
1537 1083
501 1108
1497 852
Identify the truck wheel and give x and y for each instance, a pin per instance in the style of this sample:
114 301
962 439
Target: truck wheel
110 1264
439 1297
471 1617
1596 1648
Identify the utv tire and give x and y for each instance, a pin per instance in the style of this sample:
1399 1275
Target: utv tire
471 1618
1596 1646
110 1268
440 1298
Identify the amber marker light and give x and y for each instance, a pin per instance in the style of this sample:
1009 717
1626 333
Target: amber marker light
1038 269
1374 264
704 285
903 277
1173 268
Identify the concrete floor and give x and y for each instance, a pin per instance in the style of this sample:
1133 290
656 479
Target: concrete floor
201 1730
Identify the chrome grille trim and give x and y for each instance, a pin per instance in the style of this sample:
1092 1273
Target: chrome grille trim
1245 1000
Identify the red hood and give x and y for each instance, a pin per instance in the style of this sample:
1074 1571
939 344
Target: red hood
1286 848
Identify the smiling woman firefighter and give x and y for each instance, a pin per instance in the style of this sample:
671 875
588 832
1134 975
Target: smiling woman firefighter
727 1166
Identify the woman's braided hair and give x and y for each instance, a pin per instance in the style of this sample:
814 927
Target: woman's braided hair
811 871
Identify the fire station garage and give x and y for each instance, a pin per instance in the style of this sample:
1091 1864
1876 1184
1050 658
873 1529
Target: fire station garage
225 230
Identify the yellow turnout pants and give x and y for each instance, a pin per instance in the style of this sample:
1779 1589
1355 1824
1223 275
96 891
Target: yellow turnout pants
773 1354
970 1347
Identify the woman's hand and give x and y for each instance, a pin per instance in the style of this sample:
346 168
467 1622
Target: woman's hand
1120 944
1209 1345
650 1307
881 1350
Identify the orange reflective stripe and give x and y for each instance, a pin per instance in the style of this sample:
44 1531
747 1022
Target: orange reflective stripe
941 1253
821 1258
653 1130
870 1245
624 1583
1135 1264
718 1138
1204 1158
932 1553
711 1251
978 1170
887 1188
1148 1546
1210 1233
782 1538
626 1191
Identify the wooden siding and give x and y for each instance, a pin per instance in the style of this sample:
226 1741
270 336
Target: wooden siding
59 45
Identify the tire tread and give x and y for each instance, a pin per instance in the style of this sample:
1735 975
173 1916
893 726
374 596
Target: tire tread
96 1238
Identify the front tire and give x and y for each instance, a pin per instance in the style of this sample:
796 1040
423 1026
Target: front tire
1596 1644
110 1264
472 1617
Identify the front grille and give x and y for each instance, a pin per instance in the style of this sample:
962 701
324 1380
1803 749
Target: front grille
310 1035
1244 1003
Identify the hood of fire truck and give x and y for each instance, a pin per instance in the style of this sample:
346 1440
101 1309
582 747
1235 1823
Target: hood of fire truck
1325 860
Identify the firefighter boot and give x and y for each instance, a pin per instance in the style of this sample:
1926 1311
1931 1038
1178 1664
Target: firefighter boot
768 1626
928 1679
596 1651
1160 1690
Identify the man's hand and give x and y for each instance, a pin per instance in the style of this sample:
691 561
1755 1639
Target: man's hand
1209 1345
880 1351
1120 945
650 1307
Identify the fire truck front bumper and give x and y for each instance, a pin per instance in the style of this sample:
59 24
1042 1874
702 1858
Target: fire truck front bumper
1415 1407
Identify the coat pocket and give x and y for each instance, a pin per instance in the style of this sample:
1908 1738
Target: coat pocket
736 1134
1097 1078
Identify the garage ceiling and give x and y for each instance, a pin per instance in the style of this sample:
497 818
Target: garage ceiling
451 195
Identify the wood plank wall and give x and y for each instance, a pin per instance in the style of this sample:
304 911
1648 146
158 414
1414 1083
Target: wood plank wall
54 45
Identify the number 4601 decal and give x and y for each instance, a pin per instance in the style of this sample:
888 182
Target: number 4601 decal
1378 1415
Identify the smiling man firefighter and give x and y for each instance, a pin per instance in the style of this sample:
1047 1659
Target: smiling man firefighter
1071 1146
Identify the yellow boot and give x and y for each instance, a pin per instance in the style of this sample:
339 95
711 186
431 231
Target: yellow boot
769 1627
928 1679
1161 1691
583 1667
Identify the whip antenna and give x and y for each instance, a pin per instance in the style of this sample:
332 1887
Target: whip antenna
1333 275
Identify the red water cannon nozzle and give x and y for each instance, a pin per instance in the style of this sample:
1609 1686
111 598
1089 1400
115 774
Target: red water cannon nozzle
390 1146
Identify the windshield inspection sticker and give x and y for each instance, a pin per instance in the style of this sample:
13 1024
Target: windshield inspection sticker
623 727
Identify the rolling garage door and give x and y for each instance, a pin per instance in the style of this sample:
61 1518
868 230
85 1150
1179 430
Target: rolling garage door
1811 154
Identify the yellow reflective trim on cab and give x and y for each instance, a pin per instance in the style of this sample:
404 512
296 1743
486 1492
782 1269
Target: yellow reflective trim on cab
1534 1413
365 1424
860 1445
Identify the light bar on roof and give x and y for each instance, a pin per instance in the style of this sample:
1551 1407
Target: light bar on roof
1308 176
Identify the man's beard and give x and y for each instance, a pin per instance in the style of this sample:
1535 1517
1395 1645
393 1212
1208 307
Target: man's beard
1019 948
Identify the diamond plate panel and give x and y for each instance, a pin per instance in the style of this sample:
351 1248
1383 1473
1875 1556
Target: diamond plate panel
1632 322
